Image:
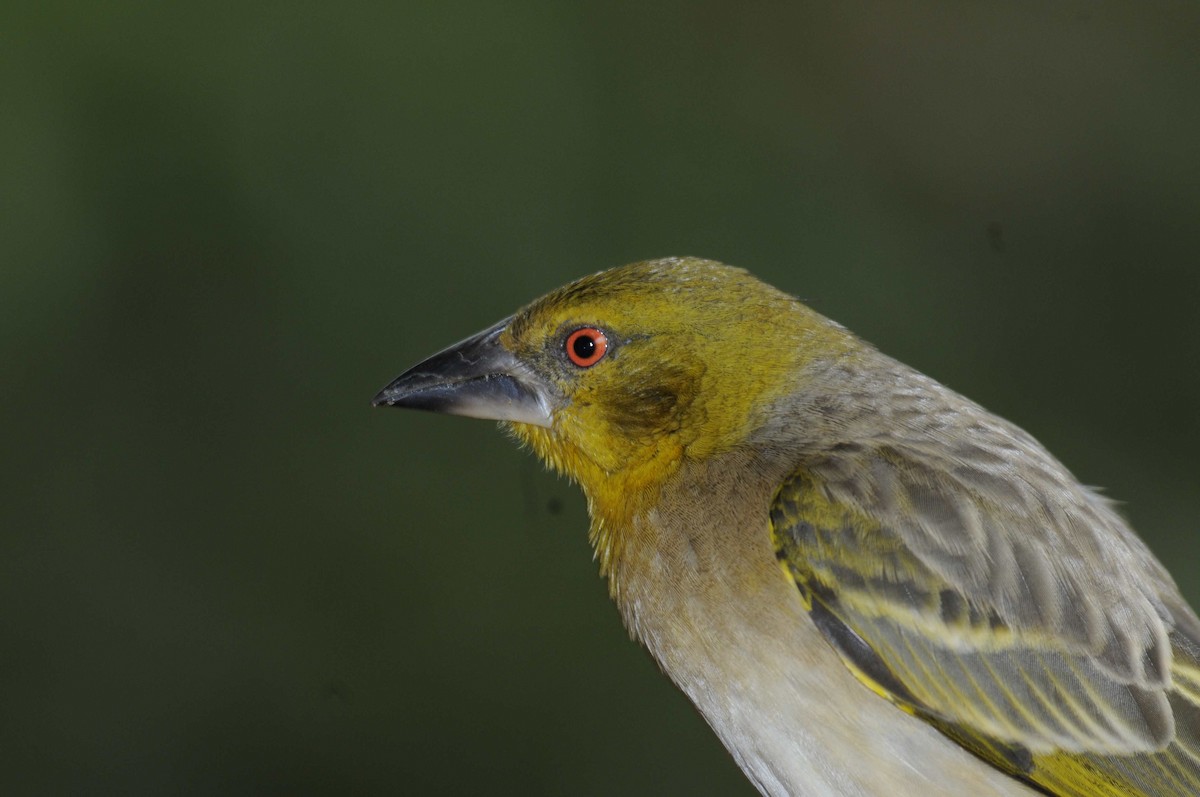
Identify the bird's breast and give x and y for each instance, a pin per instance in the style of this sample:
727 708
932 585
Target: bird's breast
698 583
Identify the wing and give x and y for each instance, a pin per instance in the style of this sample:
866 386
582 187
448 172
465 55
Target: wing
1021 617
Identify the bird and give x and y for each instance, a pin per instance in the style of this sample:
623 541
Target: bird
866 583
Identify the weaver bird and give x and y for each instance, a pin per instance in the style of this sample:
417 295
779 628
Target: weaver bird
865 582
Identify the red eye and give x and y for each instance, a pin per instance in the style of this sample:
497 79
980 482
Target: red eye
586 347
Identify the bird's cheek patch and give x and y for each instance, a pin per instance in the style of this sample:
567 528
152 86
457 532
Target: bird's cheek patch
647 409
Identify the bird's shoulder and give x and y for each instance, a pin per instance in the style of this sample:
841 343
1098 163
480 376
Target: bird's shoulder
963 573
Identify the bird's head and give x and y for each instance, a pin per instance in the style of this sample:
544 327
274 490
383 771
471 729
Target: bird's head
617 378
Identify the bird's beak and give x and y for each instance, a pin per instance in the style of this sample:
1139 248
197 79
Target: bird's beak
478 378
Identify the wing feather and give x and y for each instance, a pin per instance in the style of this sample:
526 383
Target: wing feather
1013 614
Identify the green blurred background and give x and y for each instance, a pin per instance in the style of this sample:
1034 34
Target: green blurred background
226 225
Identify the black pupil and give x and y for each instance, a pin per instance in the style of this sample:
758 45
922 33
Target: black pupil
584 347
